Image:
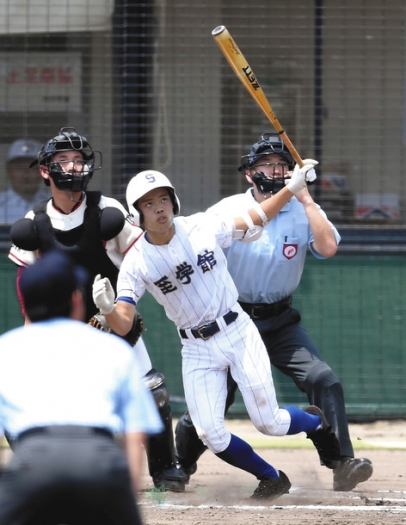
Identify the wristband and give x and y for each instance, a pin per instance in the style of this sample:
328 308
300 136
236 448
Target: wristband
262 215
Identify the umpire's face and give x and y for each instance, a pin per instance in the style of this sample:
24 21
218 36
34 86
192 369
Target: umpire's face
268 168
272 166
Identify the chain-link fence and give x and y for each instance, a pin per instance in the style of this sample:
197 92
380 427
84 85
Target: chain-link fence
148 86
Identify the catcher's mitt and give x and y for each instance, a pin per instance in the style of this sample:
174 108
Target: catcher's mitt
99 321
136 330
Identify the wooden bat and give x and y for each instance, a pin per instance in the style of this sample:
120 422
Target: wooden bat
244 72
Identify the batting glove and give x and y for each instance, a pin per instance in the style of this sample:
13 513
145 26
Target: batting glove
302 175
103 294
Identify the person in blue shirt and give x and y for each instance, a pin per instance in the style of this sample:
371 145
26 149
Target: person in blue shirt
66 391
24 188
275 263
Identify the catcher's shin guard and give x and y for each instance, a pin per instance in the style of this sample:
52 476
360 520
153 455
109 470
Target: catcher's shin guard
189 447
161 448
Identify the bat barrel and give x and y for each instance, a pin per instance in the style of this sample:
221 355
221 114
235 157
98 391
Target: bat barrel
218 30
244 72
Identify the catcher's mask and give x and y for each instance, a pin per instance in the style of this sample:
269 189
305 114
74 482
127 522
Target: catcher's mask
270 144
144 182
77 178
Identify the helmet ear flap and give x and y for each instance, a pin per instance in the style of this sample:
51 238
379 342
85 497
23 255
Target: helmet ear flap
175 201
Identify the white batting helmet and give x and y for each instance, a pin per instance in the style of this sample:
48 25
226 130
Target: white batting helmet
144 182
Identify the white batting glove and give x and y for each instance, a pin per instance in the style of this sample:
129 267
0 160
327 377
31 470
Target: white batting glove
302 175
103 294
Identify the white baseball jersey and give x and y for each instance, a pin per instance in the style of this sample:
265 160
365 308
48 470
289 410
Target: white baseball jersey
270 269
189 278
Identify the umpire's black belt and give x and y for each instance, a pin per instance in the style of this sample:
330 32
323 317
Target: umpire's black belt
65 431
263 310
208 330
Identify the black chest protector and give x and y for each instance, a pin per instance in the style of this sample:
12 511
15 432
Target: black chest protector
84 243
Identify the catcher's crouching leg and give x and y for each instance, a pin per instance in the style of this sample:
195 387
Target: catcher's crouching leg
189 446
161 450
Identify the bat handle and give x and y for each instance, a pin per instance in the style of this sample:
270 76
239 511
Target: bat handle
291 148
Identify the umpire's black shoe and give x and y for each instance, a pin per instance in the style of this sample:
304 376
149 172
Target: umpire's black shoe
188 471
270 489
350 472
325 440
172 479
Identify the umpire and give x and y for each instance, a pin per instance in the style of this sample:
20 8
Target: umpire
65 391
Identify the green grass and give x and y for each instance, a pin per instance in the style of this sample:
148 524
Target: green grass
306 444
157 496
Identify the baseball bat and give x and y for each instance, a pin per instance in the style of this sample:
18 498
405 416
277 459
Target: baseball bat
244 72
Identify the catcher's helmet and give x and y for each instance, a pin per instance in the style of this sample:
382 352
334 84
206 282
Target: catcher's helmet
144 182
67 140
270 143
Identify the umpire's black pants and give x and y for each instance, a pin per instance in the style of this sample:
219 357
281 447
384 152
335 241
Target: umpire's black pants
69 475
292 351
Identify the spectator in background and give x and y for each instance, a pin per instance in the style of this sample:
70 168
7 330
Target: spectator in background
24 188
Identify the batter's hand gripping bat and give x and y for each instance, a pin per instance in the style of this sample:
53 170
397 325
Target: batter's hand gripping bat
244 72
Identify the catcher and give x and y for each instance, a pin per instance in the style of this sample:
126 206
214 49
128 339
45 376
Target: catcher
96 231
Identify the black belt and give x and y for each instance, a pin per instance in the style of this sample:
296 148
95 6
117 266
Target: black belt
263 311
208 330
65 431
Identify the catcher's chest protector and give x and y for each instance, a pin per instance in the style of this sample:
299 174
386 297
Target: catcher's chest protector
84 243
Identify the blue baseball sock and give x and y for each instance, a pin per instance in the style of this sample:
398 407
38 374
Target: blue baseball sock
241 455
301 421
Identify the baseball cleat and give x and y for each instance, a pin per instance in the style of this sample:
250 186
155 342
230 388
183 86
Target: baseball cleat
325 440
168 485
172 479
351 472
188 471
270 489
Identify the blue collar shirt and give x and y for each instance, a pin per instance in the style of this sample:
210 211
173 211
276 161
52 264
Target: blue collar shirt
269 269
64 372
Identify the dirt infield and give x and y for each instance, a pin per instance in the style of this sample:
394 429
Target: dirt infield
219 494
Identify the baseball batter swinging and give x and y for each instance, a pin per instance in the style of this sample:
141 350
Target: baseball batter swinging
179 260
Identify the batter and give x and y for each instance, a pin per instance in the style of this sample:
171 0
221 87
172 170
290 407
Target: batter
179 260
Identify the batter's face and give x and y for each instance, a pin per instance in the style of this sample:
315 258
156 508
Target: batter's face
157 209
